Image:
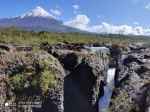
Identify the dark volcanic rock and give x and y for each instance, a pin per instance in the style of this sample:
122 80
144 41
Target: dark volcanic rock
61 46
148 101
70 61
5 47
69 55
24 47
132 80
97 44
8 48
31 77
82 86
36 76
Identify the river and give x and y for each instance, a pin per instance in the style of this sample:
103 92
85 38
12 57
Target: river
108 89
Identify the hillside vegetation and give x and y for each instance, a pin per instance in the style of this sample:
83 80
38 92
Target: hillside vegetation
17 36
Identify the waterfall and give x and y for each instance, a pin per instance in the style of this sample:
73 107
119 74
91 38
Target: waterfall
108 89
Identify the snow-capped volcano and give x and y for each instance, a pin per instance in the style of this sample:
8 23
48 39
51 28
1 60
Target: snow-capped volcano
38 20
37 12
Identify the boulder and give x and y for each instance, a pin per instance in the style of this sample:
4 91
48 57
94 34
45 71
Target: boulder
33 78
84 85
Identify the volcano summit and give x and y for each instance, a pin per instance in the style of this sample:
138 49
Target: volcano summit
37 20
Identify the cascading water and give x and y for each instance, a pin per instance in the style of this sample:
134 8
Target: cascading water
96 48
108 89
104 101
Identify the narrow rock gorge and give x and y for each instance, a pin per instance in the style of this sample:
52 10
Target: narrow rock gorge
71 83
84 85
71 77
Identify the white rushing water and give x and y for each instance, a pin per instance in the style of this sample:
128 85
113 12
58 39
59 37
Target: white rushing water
104 100
108 89
97 48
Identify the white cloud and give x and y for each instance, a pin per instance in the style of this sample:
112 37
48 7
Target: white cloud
148 6
56 12
136 23
123 29
75 7
81 21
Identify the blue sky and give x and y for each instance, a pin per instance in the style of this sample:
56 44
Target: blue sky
110 16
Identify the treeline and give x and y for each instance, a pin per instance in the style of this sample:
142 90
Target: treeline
17 36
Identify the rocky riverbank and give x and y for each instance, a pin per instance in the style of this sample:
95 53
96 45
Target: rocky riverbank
70 77
56 79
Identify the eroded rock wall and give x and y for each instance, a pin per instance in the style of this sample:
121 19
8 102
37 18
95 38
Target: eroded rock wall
132 80
84 84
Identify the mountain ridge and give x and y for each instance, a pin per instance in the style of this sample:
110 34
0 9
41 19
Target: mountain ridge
37 20
37 12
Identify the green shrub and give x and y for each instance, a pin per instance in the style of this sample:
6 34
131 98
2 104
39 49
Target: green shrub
41 77
2 64
16 36
47 78
19 82
44 65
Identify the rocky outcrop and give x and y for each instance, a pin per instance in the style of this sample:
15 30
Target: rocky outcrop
61 54
84 84
132 80
61 46
147 109
86 77
70 61
24 47
37 77
33 78
4 47
69 55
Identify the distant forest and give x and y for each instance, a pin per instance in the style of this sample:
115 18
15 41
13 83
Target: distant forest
16 36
